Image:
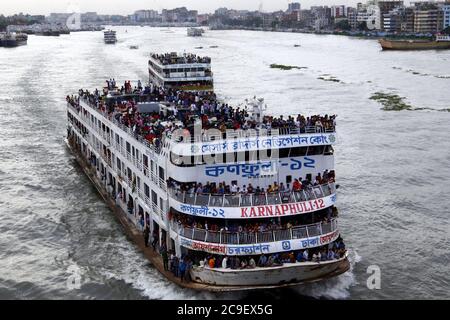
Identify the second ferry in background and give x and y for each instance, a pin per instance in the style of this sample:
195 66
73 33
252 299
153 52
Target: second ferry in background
110 36
218 198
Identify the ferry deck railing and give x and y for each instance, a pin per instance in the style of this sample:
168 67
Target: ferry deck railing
247 200
136 162
238 238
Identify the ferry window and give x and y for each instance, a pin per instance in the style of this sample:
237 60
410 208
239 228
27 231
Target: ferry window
128 147
146 190
133 151
265 154
145 160
161 173
154 198
230 157
253 155
247 156
315 150
298 152
151 165
117 138
329 151
240 156
284 153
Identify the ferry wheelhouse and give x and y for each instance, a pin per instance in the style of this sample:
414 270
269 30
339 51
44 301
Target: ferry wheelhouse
186 72
110 37
243 200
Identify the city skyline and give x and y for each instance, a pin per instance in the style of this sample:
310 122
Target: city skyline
121 7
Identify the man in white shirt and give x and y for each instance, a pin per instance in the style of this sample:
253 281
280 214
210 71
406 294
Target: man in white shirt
316 256
306 255
224 262
233 188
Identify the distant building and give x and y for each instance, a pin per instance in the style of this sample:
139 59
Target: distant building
89 17
179 15
446 14
58 17
338 11
321 16
145 16
428 17
203 19
294 6
386 6
352 14
400 19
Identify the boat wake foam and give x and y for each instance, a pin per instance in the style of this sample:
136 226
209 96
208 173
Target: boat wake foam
334 288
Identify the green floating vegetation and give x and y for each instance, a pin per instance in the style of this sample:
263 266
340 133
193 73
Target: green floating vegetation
391 102
326 77
284 67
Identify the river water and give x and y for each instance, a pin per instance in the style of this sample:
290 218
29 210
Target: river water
393 167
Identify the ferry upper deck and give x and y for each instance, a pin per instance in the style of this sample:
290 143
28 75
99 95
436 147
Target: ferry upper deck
187 71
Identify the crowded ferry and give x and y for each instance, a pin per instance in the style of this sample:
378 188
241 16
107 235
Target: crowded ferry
225 197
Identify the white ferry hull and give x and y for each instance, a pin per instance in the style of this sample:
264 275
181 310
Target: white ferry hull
289 273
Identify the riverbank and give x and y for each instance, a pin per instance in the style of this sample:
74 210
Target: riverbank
352 33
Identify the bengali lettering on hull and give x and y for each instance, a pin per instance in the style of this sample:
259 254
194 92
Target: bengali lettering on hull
276 210
257 143
259 248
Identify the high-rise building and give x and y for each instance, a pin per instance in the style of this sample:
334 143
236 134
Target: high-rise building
338 11
428 17
446 14
294 6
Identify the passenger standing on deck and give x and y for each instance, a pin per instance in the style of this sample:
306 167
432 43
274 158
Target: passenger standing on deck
146 235
155 239
182 268
165 257
119 196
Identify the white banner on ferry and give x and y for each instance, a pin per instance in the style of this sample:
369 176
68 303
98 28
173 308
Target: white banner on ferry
257 143
264 211
259 248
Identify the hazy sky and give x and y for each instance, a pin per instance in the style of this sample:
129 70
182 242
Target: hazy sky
8 7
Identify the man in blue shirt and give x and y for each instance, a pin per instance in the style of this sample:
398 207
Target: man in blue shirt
262 261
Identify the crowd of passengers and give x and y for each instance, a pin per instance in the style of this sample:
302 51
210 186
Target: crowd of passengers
168 58
217 225
333 251
224 188
181 266
188 109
